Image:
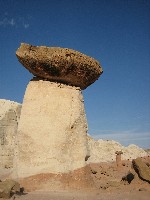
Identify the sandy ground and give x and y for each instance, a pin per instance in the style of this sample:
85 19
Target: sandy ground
108 180
118 195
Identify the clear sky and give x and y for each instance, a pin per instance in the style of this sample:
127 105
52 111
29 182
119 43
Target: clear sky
115 32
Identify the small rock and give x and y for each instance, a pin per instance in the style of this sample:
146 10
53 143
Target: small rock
93 171
104 186
129 177
142 189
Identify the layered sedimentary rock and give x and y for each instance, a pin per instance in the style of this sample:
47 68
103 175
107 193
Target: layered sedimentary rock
9 117
60 64
52 130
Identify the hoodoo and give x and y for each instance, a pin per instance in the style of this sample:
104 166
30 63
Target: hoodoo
52 132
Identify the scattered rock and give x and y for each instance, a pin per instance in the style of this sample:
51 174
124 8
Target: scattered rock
104 186
60 64
93 171
129 177
142 189
142 169
108 184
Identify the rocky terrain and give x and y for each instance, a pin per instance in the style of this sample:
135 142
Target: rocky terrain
128 181
46 152
98 151
107 176
105 151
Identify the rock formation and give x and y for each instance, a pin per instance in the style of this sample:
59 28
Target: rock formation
52 132
9 117
98 151
105 151
59 64
52 129
51 149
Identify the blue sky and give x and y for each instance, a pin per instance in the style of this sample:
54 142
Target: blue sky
115 32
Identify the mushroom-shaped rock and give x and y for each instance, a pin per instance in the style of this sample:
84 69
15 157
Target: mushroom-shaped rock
59 64
118 158
118 152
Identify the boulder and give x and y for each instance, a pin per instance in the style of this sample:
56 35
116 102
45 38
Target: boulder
59 64
8 187
128 177
142 169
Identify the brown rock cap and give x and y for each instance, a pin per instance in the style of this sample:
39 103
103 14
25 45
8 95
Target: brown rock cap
59 64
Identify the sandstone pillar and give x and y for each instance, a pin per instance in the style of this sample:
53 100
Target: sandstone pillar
118 159
52 129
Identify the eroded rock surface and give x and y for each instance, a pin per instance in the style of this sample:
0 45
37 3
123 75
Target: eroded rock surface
9 117
60 64
52 132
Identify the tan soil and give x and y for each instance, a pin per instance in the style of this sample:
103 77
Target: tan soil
118 195
107 178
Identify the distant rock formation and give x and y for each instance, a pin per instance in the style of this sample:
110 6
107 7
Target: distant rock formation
60 64
9 117
105 151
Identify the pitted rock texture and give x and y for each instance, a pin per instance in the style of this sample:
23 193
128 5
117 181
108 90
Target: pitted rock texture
59 64
9 117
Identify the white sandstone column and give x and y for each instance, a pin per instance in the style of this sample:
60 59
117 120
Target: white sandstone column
52 129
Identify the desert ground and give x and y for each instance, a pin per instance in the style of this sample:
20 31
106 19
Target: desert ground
111 182
117 195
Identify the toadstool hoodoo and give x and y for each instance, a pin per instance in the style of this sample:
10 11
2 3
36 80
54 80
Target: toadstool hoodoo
52 132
